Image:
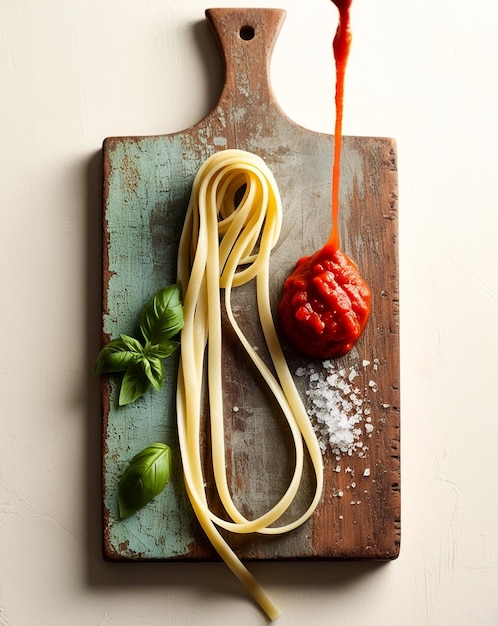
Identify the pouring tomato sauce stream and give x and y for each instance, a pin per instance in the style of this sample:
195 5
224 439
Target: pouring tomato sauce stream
326 303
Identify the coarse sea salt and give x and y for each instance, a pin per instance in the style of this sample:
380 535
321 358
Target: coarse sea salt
336 406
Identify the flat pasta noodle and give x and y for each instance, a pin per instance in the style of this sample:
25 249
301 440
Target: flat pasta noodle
225 244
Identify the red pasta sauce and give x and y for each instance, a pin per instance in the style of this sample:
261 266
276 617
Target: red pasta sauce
326 303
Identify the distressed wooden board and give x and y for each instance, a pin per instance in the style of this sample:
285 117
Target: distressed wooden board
147 183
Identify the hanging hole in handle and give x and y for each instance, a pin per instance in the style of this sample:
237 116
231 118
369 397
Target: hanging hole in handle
246 33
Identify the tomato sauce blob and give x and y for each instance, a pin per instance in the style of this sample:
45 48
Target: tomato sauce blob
326 303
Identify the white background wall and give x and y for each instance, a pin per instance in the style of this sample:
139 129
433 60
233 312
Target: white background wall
73 73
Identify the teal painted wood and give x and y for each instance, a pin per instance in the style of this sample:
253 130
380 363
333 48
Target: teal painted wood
147 182
144 211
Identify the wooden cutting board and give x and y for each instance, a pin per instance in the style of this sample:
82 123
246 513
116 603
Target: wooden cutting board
147 182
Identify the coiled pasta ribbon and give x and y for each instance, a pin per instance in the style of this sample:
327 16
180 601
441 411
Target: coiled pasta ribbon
224 245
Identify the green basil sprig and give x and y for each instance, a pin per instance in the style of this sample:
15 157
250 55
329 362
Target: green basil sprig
145 477
160 321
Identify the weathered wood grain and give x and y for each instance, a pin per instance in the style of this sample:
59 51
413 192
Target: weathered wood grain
147 183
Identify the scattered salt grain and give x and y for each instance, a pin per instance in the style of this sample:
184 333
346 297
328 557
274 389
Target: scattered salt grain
235 409
366 472
337 407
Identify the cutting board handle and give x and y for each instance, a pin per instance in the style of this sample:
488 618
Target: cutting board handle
246 38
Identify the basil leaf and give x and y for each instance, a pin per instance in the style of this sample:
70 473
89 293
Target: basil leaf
161 350
115 356
161 319
162 316
132 344
154 370
145 477
135 383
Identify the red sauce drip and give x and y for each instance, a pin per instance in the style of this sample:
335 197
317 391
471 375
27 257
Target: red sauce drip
326 303
341 47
